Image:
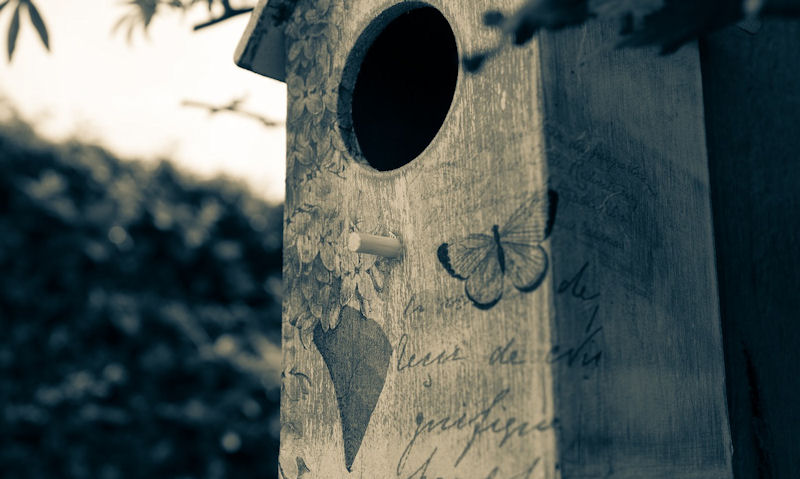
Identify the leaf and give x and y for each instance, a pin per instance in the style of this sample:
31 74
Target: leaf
38 23
13 32
121 21
147 10
357 355
679 22
493 18
524 32
549 14
474 63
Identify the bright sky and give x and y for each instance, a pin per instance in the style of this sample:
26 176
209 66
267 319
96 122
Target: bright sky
127 97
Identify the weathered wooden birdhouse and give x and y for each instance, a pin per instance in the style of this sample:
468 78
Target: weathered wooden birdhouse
507 274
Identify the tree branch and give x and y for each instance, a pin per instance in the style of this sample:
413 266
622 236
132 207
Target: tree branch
233 107
226 15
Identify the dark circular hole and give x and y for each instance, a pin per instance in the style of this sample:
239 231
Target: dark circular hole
404 88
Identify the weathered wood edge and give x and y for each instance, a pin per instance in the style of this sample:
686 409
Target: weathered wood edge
261 49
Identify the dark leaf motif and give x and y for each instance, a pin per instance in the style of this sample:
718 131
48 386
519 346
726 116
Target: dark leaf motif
13 32
3 4
302 469
38 23
357 354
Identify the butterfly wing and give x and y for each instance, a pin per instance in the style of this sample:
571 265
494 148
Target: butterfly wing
532 222
526 265
474 259
485 285
525 260
461 257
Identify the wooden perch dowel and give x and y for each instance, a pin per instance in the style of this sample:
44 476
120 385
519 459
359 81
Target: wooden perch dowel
377 245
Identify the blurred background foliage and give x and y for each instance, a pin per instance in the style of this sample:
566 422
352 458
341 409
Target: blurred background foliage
668 24
140 318
139 15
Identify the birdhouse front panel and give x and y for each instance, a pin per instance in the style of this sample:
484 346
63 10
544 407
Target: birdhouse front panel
500 275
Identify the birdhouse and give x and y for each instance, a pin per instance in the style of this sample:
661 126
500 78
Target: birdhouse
507 274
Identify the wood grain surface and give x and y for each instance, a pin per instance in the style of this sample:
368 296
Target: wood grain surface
610 366
634 181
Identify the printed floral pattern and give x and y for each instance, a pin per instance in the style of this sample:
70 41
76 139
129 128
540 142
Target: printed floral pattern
313 83
333 294
323 275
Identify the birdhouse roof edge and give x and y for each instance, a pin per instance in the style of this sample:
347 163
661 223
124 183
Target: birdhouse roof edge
261 48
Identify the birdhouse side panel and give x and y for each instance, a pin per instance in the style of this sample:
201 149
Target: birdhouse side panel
640 384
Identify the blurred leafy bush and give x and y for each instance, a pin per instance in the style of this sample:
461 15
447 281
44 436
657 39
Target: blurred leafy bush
139 318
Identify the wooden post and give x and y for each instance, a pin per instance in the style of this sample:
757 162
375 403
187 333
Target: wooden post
752 113
554 312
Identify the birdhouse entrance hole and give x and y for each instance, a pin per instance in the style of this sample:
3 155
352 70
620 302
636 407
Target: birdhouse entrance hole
402 73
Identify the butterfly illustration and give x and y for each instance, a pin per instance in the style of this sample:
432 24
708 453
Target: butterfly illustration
513 251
